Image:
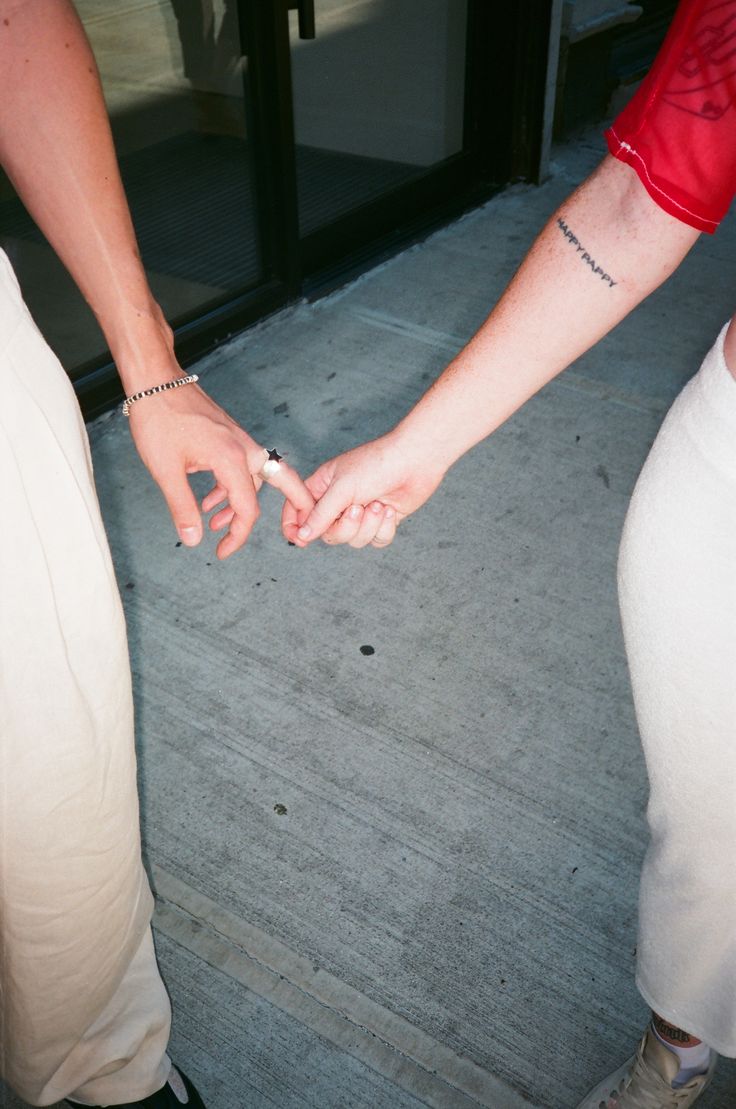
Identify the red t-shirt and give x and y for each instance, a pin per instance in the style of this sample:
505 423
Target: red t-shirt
679 129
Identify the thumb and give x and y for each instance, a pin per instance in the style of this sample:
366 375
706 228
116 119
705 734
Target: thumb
183 507
325 512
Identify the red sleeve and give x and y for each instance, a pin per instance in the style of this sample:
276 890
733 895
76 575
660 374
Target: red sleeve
679 129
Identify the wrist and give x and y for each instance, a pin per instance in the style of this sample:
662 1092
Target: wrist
425 443
142 347
154 390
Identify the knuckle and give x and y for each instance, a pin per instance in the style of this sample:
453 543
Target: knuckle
232 455
383 540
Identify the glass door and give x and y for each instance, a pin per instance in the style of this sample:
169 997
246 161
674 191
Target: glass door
175 76
379 103
378 100
268 147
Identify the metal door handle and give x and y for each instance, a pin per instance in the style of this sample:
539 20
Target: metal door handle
307 27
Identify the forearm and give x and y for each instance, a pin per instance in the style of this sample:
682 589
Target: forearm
601 254
56 146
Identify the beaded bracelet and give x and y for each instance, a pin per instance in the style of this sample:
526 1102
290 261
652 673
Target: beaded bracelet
175 384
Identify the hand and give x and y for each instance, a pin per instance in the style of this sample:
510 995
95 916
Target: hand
363 495
183 431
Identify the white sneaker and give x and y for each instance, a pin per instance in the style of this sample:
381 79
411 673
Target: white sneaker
645 1081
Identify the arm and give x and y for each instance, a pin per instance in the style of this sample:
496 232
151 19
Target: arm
56 146
599 255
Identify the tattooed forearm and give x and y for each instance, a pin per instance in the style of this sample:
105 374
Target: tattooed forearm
584 256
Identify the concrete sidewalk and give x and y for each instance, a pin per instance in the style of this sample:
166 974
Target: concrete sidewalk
407 877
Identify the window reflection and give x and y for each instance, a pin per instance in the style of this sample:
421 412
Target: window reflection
378 99
175 81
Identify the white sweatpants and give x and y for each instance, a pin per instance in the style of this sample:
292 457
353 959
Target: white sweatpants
82 1007
677 587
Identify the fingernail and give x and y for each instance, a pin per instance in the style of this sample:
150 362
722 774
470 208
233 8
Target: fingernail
304 532
355 512
389 514
189 536
376 507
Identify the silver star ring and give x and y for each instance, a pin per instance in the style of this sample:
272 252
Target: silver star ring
271 464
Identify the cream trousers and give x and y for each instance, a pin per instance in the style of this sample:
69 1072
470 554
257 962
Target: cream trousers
677 586
83 1011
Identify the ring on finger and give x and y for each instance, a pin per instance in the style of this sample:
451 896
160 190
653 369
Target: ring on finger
271 464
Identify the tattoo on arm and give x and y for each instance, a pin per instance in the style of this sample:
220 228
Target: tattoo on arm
582 252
